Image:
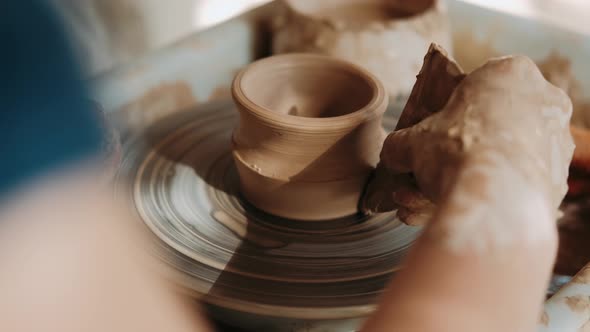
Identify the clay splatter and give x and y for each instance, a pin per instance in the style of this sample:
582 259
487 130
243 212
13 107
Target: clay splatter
578 303
544 319
159 102
221 92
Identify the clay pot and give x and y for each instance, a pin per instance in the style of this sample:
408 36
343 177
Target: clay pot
309 134
387 37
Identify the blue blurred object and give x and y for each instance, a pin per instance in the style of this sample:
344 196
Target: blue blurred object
46 121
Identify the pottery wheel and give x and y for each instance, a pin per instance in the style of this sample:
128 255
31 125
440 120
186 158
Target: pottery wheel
185 189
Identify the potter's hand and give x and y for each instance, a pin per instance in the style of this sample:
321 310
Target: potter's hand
494 160
86 263
503 122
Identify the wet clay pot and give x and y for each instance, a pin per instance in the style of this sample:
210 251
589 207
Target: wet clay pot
309 134
388 37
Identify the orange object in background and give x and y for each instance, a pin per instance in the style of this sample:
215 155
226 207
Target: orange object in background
579 179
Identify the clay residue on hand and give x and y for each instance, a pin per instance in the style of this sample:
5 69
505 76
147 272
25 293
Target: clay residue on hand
475 152
471 52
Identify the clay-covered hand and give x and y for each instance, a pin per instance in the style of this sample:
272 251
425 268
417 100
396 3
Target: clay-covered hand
484 157
504 123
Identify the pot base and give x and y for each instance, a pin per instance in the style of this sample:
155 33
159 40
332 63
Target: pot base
299 200
185 188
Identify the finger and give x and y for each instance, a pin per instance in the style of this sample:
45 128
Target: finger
397 152
386 192
377 194
410 197
412 218
414 208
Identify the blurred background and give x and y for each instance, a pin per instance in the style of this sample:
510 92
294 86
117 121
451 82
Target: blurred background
110 32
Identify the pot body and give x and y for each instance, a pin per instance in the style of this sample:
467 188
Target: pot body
309 134
366 32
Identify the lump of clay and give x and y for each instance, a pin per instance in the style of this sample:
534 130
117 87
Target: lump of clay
389 38
435 83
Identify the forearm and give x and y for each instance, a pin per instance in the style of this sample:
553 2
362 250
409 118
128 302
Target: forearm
76 261
451 292
487 236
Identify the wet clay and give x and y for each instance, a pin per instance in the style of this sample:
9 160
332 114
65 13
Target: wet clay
475 160
309 134
471 52
437 80
389 38
386 191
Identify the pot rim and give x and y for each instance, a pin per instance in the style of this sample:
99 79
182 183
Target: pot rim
375 107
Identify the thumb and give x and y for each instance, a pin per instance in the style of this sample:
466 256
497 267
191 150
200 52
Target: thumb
397 152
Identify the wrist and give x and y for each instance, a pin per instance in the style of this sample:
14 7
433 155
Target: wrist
492 206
